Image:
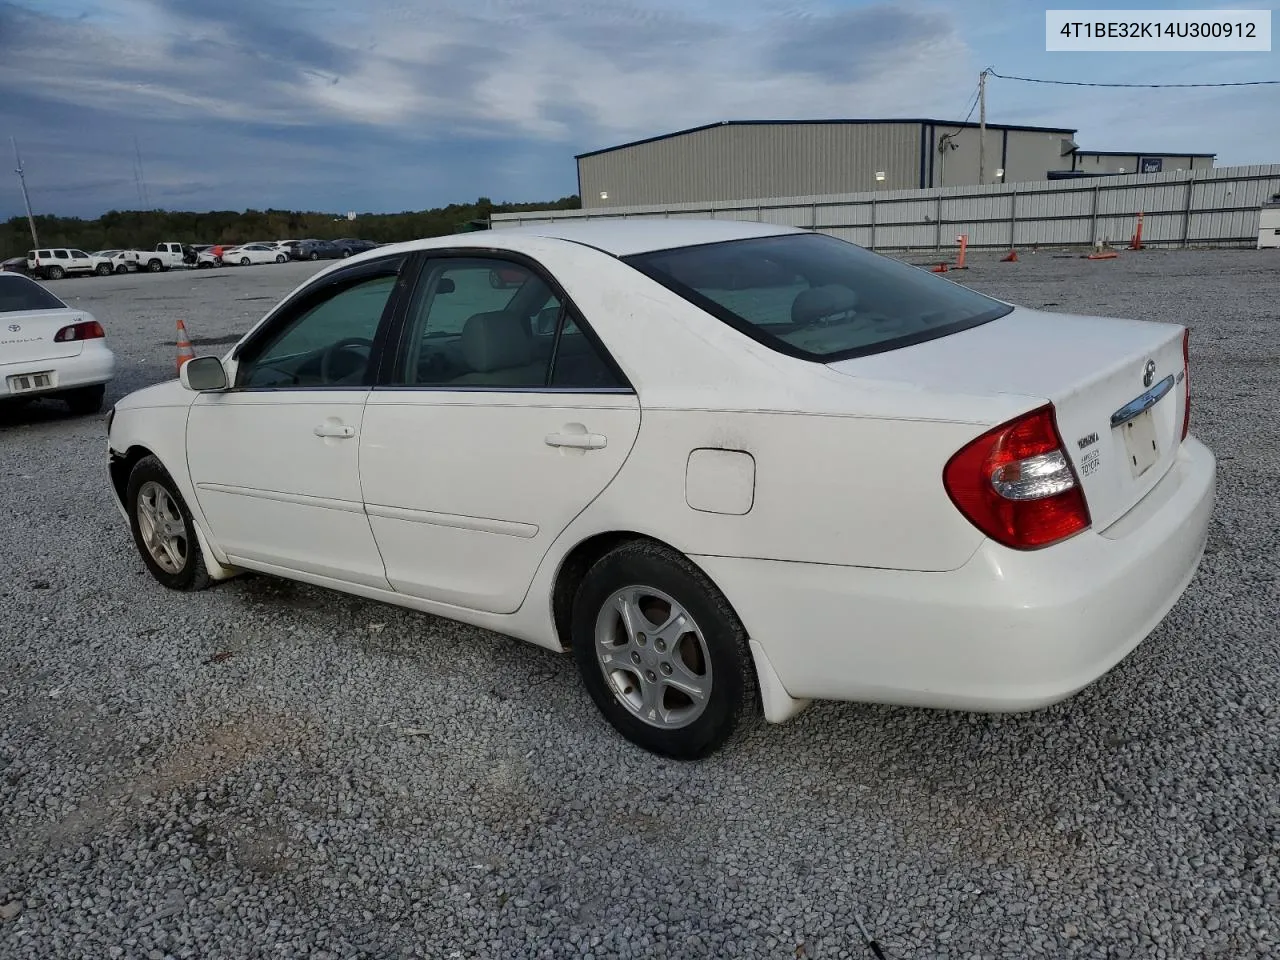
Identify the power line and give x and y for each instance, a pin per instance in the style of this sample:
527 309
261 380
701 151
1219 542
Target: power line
1082 83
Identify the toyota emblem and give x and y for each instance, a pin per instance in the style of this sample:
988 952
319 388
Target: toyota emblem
1149 373
15 327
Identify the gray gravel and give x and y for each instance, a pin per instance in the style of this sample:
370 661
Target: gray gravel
267 769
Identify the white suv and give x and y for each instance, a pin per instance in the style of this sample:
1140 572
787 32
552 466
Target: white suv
58 262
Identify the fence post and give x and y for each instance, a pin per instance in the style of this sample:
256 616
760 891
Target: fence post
1013 217
937 226
813 216
873 223
1186 212
1093 229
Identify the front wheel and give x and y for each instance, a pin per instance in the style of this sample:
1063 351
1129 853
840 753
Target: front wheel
121 268
244 261
163 530
345 254
662 653
314 255
281 258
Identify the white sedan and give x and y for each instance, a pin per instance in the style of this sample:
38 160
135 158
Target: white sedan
253 253
732 467
49 350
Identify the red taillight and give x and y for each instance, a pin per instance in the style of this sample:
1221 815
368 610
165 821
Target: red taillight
1016 485
89 330
1186 382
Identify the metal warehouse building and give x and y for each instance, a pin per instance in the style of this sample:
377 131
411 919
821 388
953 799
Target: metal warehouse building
753 159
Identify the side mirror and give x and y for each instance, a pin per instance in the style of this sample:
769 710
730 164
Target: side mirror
203 374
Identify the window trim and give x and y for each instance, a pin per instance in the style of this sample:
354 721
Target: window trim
749 329
397 352
308 296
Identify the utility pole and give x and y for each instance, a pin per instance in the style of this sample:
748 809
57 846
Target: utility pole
982 127
31 221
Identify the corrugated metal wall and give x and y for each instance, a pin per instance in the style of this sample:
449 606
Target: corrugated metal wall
731 161
1217 206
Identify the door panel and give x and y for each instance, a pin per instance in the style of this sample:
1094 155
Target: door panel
464 493
275 491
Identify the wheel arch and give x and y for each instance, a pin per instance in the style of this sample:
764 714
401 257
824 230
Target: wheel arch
779 706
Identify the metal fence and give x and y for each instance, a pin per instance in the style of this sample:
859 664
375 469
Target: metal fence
1218 207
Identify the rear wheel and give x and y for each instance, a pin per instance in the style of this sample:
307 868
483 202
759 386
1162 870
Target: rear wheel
314 255
244 261
662 653
103 270
345 253
54 273
86 400
121 268
155 266
281 258
163 530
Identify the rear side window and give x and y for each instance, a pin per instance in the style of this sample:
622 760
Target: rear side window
818 298
18 294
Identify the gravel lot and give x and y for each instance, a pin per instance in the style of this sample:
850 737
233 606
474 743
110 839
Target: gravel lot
266 769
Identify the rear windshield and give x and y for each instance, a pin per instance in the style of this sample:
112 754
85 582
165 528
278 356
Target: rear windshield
815 297
17 294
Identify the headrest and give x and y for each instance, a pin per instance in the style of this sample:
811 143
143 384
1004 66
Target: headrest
819 303
496 341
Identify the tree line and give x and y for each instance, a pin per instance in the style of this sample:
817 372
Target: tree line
143 229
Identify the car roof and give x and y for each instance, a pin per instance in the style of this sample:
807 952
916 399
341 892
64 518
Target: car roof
624 237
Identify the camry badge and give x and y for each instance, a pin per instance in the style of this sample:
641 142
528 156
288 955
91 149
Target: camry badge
1149 373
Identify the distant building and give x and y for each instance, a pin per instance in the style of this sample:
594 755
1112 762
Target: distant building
1117 161
755 159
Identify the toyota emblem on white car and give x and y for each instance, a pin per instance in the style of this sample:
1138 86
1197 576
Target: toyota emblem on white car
1149 373
15 327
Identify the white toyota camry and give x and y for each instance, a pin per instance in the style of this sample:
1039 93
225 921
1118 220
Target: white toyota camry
49 350
730 466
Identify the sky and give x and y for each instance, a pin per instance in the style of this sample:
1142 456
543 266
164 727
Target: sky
390 105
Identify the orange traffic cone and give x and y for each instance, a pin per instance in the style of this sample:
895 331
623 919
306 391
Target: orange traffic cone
185 350
1012 257
940 268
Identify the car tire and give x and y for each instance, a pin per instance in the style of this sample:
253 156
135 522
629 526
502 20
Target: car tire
121 268
85 400
281 258
155 266
244 261
150 495
646 666
103 270
54 273
314 255
345 254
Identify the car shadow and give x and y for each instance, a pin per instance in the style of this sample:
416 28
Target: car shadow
15 413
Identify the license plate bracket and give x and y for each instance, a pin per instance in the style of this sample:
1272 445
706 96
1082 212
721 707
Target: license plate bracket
27 382
1140 443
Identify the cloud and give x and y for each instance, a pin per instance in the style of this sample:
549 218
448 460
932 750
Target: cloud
388 104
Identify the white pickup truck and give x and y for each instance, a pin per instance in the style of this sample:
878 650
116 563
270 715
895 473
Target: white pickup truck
165 256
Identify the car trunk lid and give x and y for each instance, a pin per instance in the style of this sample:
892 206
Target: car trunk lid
1117 387
27 336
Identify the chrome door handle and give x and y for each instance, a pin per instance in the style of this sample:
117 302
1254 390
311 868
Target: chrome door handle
340 430
580 441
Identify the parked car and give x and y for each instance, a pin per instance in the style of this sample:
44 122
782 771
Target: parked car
14 265
351 247
253 253
316 250
730 466
122 261
54 263
49 349
166 256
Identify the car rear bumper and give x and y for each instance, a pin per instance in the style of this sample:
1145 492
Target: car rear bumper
94 364
1008 631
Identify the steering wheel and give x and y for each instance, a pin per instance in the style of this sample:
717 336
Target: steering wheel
334 349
